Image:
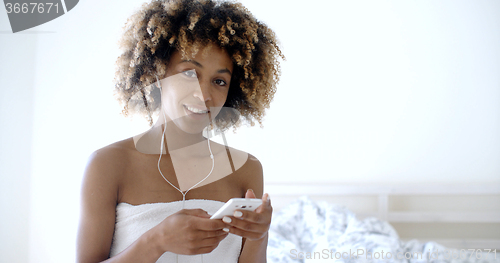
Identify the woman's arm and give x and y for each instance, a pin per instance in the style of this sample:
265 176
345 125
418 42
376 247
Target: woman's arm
253 226
254 251
99 197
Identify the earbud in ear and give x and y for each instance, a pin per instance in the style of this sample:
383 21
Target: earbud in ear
158 83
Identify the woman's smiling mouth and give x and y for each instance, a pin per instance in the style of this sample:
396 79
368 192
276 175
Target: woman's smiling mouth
196 110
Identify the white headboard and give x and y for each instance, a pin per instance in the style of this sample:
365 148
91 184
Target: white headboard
455 215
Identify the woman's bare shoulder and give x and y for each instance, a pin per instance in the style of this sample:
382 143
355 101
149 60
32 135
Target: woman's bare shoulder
111 160
253 167
253 175
116 150
248 168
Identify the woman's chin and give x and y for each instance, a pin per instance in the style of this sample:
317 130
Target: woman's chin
191 127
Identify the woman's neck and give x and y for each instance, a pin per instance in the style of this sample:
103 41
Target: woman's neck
182 143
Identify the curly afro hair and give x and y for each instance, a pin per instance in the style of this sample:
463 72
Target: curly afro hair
161 27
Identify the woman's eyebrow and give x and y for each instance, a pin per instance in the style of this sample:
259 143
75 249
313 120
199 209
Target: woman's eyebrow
224 71
196 63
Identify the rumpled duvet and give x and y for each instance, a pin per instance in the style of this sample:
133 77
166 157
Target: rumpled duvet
308 231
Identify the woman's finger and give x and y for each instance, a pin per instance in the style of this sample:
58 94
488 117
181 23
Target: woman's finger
207 224
247 234
246 225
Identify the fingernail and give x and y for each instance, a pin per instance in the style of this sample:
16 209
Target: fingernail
252 191
238 213
226 219
268 198
225 229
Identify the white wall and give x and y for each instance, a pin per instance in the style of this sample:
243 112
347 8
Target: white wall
17 73
372 91
378 91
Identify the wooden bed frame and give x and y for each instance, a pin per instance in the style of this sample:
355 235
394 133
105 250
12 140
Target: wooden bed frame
454 215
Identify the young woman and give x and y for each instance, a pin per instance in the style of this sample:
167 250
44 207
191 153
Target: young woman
196 64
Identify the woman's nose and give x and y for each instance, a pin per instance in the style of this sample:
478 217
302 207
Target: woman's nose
203 92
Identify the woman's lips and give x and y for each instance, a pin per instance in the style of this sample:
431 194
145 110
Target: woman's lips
197 113
196 109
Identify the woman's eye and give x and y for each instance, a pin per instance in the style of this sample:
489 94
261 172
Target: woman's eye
220 82
190 73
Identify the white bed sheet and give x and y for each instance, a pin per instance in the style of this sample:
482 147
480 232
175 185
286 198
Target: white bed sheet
308 231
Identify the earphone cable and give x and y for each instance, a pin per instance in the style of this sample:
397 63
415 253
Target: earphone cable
159 159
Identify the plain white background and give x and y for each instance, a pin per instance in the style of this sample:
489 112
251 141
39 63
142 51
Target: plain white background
371 92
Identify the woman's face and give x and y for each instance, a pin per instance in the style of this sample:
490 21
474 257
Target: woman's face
195 89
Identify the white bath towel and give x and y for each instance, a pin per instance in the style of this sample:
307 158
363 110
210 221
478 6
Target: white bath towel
134 220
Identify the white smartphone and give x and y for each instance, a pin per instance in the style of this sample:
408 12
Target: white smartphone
249 204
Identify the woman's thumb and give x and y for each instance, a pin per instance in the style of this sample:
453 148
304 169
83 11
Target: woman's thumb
250 194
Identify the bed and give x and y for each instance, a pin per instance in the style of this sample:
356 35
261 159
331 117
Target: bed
456 223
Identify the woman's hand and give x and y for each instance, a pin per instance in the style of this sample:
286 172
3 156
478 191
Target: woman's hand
189 232
252 225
